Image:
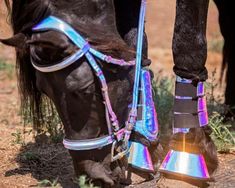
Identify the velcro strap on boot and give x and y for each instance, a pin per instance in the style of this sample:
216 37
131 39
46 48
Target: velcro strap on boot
188 89
190 109
189 105
190 120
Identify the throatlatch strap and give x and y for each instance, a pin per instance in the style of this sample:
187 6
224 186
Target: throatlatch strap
190 109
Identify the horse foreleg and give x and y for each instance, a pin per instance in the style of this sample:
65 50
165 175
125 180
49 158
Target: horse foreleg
190 53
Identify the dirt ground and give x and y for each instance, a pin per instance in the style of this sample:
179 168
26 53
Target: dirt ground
26 165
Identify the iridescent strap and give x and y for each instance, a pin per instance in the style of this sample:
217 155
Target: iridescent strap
88 144
190 109
54 23
132 117
188 105
184 120
130 123
185 88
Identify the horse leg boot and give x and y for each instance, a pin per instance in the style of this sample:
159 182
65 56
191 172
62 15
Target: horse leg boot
193 153
143 157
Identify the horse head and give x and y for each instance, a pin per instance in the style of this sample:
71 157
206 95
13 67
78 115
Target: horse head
75 90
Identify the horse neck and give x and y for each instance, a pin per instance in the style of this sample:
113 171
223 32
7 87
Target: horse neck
96 13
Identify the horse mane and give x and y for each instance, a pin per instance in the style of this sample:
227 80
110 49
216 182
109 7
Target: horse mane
31 98
24 15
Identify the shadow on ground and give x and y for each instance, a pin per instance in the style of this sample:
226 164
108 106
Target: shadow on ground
45 162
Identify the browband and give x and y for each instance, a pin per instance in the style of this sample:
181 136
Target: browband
54 23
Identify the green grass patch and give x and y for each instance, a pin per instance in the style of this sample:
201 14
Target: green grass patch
18 137
48 183
51 129
84 182
223 137
216 43
164 100
6 69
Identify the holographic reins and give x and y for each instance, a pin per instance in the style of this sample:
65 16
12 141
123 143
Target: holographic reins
116 134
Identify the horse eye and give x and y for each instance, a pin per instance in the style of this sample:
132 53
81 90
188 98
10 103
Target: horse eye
50 49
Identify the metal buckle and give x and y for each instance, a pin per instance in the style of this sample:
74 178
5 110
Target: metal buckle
119 155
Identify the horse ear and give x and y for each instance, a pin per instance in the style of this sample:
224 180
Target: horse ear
17 41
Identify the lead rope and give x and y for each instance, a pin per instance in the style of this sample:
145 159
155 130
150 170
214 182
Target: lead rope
133 112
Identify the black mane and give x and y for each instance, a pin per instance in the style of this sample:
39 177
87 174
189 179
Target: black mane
24 15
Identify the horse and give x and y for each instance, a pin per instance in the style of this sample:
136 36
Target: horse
75 91
189 47
109 26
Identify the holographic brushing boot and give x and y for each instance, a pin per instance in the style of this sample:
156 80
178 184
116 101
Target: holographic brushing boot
190 111
146 125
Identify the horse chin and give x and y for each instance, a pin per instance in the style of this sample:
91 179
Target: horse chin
102 172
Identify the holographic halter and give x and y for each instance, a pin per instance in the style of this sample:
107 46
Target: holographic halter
115 133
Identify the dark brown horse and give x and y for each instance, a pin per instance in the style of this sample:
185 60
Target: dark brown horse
110 26
190 52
